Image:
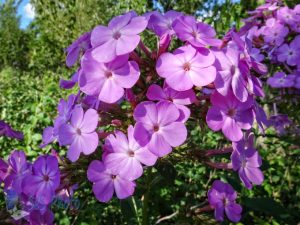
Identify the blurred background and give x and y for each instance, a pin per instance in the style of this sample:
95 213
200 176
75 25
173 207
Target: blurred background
33 36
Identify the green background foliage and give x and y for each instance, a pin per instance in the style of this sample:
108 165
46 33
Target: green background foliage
31 64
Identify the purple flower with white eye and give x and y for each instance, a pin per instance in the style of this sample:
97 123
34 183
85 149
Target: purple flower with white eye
157 127
179 98
281 80
290 53
187 67
232 73
246 160
44 180
118 38
105 182
6 130
274 32
36 217
17 169
196 33
108 80
127 155
222 198
73 51
230 115
80 134
162 24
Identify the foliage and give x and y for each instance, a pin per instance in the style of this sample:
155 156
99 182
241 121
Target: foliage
13 41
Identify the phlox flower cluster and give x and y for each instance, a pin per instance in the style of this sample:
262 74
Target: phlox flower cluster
273 30
133 104
31 188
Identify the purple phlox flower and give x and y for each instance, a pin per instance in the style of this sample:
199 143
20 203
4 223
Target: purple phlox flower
18 169
73 51
69 84
44 180
11 199
49 136
232 73
3 170
157 127
297 82
246 160
187 67
290 53
6 130
253 33
163 44
260 116
196 33
248 30
280 122
286 15
179 98
65 193
161 24
222 198
295 25
127 155
245 46
80 134
268 6
256 54
281 80
105 182
108 80
118 38
92 102
274 32
230 115
38 218
64 109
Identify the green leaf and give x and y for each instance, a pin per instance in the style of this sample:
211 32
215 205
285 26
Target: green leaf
266 205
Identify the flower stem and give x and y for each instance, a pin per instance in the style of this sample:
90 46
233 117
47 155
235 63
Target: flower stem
145 49
218 151
146 198
220 165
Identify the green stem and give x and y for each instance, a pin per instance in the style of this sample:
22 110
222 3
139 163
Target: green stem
146 198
